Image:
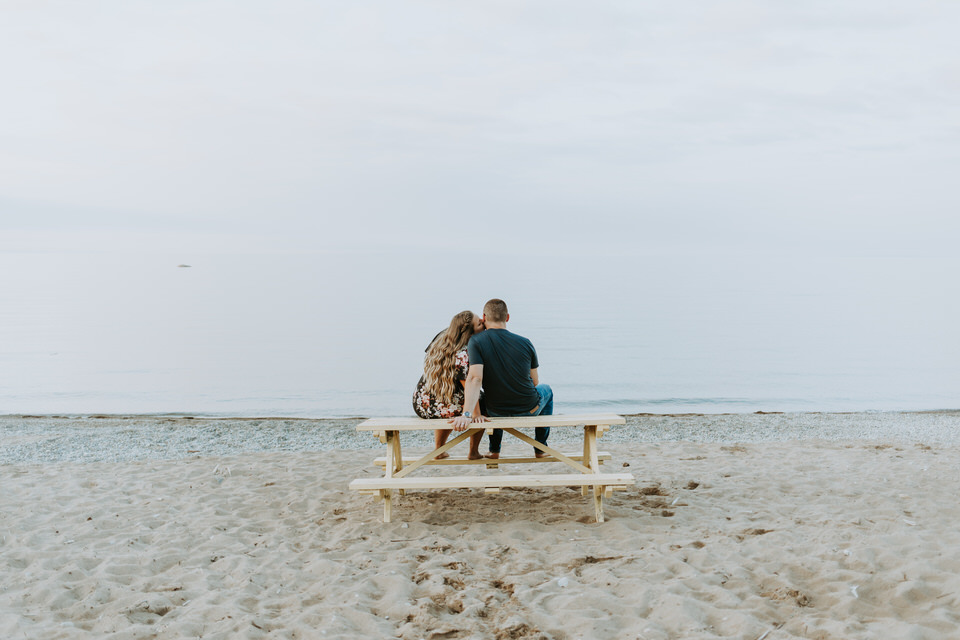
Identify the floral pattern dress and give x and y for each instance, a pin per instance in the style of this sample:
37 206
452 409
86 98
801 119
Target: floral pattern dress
427 406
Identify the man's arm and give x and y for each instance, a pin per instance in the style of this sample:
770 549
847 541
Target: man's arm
535 377
474 381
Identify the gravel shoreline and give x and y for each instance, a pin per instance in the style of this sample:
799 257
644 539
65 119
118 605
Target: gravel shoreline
55 439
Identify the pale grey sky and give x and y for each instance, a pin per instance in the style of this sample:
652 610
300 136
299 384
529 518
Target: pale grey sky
815 126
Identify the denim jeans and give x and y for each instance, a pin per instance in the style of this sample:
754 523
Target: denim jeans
544 408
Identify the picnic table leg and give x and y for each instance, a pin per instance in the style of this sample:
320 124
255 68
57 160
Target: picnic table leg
392 449
397 456
590 459
598 502
584 490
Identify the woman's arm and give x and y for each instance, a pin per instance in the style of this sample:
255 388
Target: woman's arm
474 380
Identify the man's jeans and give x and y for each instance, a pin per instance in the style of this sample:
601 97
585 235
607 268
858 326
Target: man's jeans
545 408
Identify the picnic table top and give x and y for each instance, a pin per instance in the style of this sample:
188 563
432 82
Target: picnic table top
560 420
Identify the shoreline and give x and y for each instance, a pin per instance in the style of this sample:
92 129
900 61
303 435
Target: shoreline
103 438
186 415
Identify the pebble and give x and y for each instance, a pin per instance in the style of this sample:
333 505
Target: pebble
46 439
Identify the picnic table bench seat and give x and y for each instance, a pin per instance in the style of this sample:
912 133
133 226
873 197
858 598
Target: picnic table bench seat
495 481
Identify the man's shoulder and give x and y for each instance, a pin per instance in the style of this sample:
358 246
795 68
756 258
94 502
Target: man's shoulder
501 337
516 337
477 346
477 339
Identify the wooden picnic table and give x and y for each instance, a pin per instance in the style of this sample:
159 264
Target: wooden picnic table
583 470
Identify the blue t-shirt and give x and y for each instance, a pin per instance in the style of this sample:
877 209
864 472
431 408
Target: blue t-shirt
507 360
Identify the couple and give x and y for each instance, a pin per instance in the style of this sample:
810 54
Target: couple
480 352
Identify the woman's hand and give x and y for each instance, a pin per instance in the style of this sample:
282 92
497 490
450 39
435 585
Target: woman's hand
481 418
460 423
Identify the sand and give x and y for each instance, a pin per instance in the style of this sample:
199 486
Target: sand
775 540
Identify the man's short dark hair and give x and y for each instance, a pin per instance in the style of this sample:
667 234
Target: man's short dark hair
495 310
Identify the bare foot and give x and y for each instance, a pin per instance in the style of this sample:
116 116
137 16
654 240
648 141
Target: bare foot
474 455
540 454
442 456
491 455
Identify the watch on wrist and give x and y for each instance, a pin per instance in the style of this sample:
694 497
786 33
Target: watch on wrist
468 414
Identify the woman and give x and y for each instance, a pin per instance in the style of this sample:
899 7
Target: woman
440 392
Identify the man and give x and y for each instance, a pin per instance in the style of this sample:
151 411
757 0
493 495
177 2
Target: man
505 365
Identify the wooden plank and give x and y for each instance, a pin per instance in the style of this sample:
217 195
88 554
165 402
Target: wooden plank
484 481
548 450
390 465
586 459
598 502
397 456
391 437
559 420
454 460
590 435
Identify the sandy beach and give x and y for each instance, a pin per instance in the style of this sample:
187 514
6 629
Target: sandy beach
776 526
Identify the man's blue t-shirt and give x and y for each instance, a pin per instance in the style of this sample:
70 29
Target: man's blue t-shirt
507 360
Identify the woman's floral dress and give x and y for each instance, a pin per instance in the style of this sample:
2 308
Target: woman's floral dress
427 406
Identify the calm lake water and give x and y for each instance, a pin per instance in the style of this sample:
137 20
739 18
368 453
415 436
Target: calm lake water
342 334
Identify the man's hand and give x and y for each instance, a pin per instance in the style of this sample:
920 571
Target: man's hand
460 423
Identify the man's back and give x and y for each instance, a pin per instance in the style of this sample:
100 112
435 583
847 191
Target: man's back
507 359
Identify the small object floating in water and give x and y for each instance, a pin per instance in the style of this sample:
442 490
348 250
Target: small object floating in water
183 266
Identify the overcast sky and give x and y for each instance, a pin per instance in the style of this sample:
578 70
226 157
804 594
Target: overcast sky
660 126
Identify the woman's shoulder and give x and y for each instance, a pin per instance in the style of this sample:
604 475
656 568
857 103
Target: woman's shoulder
427 350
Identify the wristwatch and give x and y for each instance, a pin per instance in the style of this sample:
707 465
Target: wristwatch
468 414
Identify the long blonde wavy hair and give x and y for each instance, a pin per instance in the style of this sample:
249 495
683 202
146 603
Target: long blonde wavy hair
439 364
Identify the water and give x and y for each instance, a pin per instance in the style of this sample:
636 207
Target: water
326 334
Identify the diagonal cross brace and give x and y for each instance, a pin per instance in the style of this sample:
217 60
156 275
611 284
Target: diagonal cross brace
433 454
550 451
